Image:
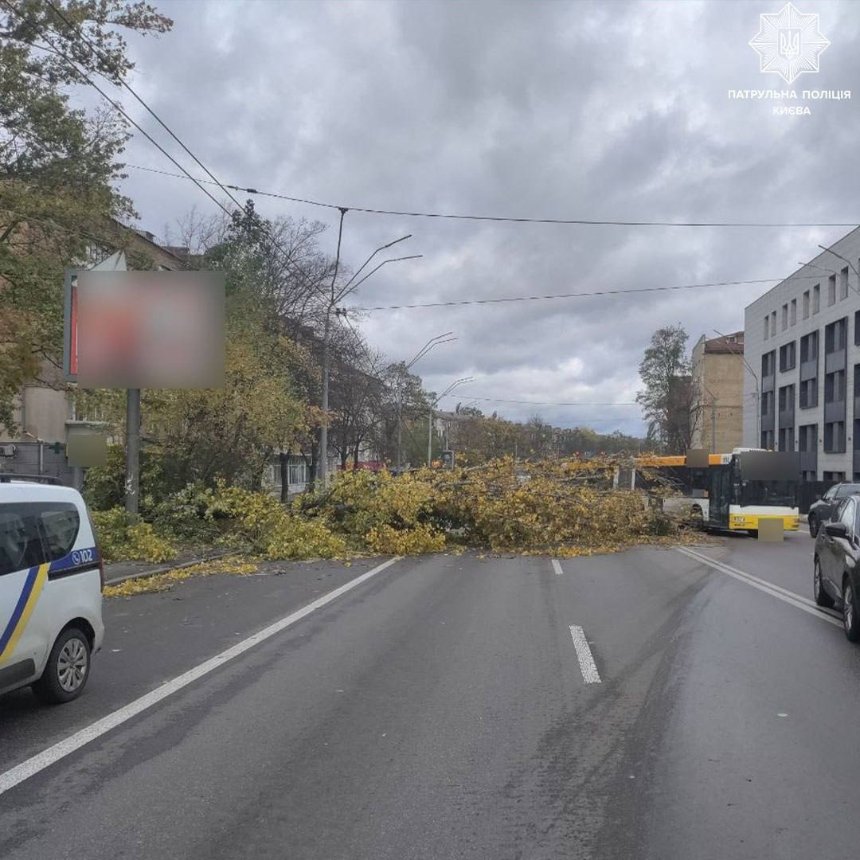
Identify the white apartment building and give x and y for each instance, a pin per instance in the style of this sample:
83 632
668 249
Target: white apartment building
802 350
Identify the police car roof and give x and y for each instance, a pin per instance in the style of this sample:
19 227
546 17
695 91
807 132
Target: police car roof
34 491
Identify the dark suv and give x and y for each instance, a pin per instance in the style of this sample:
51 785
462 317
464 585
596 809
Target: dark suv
836 575
823 510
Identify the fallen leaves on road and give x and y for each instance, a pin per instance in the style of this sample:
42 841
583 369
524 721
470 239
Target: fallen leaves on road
237 565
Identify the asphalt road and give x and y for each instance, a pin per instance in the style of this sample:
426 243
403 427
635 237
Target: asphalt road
449 707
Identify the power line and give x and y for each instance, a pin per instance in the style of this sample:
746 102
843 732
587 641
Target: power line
506 299
98 53
589 222
548 403
119 108
185 174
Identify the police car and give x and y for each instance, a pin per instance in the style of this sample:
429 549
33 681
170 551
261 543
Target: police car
51 580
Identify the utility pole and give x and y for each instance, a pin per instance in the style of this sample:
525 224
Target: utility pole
434 341
322 465
333 298
132 450
433 405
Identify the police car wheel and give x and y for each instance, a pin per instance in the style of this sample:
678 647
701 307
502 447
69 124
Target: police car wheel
67 669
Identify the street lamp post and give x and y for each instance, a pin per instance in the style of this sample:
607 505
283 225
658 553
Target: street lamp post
844 260
445 337
433 405
757 387
337 295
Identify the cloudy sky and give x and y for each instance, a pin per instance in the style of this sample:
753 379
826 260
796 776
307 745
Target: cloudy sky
572 110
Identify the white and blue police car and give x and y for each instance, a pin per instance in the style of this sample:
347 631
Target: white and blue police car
51 581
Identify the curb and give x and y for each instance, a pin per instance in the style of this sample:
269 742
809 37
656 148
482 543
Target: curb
168 567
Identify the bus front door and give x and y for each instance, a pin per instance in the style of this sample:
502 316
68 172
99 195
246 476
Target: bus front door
719 495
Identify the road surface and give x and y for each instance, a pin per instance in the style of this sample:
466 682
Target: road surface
649 704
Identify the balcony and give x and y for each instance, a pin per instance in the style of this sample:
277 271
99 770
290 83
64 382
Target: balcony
834 411
808 369
834 361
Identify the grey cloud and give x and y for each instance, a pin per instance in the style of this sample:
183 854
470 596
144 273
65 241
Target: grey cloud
541 108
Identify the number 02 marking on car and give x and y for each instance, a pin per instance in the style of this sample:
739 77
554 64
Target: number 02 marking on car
82 556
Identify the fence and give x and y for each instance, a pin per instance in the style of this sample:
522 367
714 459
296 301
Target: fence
809 491
36 458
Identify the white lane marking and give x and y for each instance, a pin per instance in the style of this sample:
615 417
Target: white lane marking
586 662
32 766
768 588
556 566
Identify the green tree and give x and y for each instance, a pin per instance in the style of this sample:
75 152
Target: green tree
666 399
58 167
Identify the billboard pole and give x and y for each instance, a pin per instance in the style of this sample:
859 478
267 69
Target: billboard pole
132 449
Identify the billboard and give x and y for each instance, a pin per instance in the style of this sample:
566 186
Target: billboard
145 329
114 263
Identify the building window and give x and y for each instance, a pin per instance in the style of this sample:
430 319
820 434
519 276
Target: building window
831 290
806 305
767 326
816 298
788 357
773 324
793 312
843 283
786 439
834 437
836 336
809 347
786 398
833 477
808 438
857 328
767 440
768 363
834 387
784 317
809 393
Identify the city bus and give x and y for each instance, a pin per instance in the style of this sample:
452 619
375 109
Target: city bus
734 491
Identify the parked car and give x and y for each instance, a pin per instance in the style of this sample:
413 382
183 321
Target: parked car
51 580
824 508
836 576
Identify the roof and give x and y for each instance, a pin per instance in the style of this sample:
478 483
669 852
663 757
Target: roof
728 344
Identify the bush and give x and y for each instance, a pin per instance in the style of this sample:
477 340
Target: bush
122 537
182 515
259 522
297 538
386 540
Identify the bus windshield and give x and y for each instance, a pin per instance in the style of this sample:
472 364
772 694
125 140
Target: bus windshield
774 493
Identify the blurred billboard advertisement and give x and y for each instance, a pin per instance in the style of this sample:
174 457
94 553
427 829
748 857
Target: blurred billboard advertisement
146 329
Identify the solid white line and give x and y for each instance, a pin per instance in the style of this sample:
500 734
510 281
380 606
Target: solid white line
767 587
556 566
32 766
586 662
